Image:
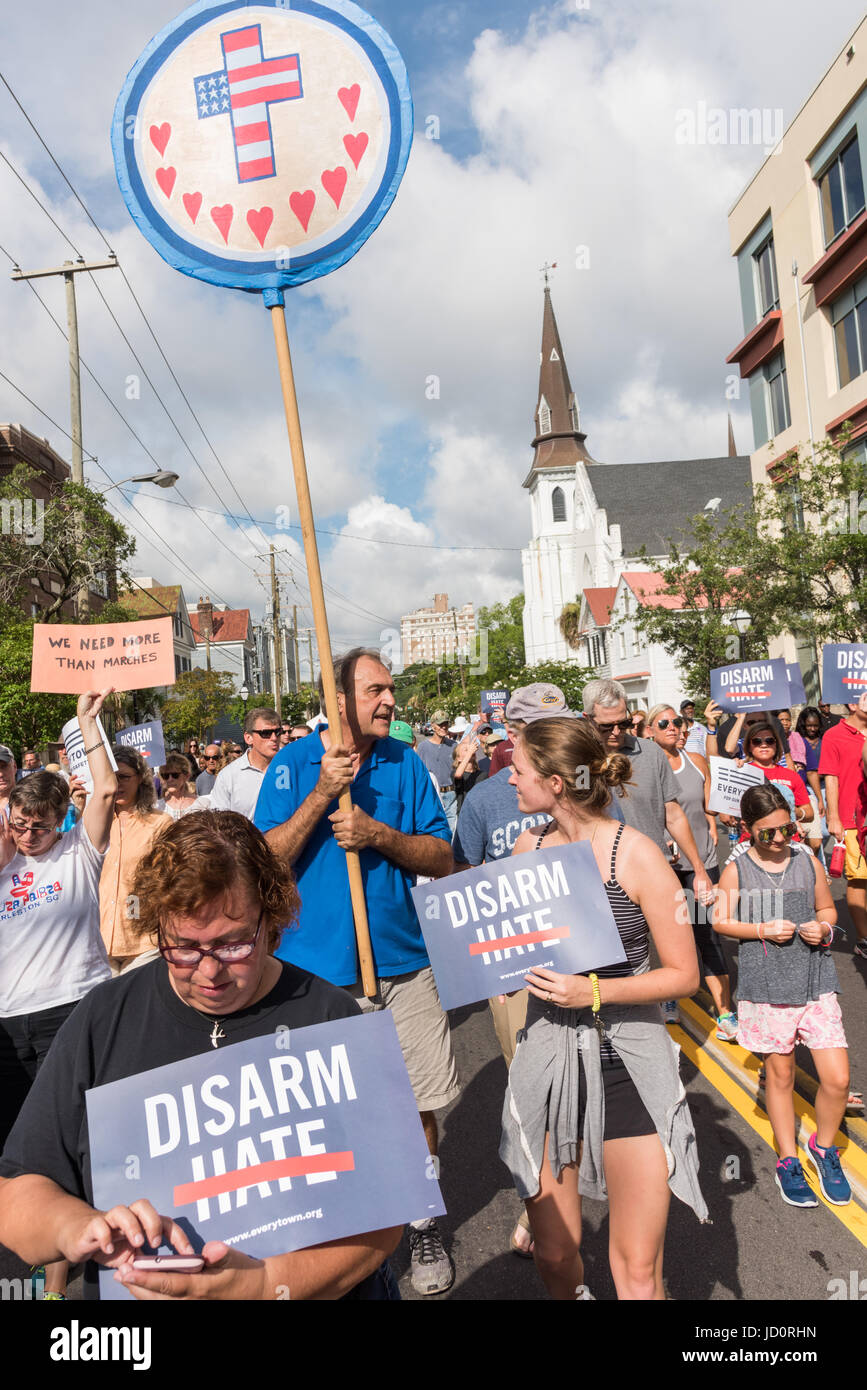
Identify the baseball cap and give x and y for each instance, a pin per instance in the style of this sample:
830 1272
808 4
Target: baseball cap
6 754
401 731
684 704
538 701
497 736
439 716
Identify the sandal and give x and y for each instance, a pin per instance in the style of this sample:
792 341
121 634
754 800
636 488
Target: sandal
524 1252
855 1103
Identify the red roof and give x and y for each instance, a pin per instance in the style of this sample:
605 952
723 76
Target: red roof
231 626
634 676
600 601
647 585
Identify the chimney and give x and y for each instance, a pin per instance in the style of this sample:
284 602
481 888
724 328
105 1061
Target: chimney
441 603
205 610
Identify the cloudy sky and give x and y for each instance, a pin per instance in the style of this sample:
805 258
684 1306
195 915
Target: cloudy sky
557 143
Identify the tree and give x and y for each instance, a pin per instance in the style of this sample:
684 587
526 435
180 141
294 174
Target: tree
569 625
55 548
504 625
197 701
26 720
301 705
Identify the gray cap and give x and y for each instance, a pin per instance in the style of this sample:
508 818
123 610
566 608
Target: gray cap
539 701
6 754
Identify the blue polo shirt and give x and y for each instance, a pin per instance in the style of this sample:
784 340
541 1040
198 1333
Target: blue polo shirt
392 786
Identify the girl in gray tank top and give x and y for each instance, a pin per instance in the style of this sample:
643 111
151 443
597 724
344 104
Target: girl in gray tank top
774 900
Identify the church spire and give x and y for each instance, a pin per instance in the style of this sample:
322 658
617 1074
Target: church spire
558 426
733 453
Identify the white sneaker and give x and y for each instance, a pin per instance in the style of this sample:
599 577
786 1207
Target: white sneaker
670 1011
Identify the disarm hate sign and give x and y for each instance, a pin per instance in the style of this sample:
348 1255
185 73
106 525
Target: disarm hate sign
486 927
844 672
751 685
271 1145
69 658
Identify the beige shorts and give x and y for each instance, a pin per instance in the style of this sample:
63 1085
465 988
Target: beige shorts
811 829
856 866
423 1030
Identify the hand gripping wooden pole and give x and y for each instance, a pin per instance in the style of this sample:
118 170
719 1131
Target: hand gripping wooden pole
320 619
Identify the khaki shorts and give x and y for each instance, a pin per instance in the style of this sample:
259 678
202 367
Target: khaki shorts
856 866
812 829
423 1031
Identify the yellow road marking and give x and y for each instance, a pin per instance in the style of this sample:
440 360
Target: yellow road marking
852 1217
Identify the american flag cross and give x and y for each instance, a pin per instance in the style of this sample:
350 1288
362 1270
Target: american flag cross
244 88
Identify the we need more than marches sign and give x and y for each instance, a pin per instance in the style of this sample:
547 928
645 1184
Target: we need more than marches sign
271 1145
486 927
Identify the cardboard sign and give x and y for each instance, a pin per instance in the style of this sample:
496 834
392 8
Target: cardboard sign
751 685
797 693
844 672
76 756
486 927
259 146
728 782
146 739
69 659
271 1145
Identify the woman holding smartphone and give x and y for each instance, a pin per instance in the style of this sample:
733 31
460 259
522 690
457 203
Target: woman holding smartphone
595 1077
213 898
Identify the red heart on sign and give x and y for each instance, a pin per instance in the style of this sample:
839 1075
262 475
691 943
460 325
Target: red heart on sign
166 180
302 204
160 136
349 100
334 183
260 222
355 146
192 203
222 220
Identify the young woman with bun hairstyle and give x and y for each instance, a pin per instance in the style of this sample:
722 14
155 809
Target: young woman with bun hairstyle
775 901
595 1079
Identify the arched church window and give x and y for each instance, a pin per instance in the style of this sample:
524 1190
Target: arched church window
558 504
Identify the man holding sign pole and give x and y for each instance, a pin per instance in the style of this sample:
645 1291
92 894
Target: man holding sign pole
398 826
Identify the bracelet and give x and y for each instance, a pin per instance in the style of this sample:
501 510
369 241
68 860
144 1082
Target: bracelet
759 930
597 997
94 746
831 930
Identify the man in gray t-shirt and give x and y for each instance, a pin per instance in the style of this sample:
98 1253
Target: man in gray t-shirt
437 754
650 803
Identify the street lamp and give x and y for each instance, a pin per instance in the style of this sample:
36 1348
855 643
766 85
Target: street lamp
245 695
162 478
741 621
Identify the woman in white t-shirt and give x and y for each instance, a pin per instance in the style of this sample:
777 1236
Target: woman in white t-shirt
51 951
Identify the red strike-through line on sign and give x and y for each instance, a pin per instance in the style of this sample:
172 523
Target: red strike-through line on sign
749 694
508 943
262 1172
855 680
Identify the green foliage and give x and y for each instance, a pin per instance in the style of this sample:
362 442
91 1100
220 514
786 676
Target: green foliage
301 705
197 701
796 562
25 719
74 542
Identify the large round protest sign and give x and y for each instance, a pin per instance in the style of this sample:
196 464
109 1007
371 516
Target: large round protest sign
258 146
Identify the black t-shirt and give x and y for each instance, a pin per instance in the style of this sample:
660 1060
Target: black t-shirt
129 1025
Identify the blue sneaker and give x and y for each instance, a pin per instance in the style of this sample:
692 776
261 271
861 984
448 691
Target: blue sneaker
793 1185
832 1180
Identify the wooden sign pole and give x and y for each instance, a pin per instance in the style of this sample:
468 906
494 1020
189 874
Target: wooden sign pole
320 619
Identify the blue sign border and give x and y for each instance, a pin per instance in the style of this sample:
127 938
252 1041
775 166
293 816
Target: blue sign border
263 276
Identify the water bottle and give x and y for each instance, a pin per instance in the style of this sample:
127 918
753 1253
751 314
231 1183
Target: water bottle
734 835
838 859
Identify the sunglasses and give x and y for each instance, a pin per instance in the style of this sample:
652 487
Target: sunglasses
762 743
171 776
618 724
268 733
766 837
664 723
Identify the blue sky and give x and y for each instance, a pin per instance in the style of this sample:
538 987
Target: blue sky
556 132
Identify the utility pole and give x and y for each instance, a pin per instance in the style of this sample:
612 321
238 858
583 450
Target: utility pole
310 654
278 652
69 270
295 646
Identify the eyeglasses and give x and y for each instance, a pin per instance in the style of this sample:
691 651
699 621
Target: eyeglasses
763 743
211 758
618 724
765 837
268 733
170 776
664 723
30 829
229 954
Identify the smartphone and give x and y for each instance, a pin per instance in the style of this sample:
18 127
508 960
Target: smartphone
174 1264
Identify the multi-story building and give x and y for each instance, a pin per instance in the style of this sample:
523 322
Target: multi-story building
799 235
224 642
150 599
48 473
439 633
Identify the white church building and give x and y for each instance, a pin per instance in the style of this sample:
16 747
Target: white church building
590 521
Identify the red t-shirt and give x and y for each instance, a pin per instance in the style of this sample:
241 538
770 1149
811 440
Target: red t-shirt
501 756
791 779
840 757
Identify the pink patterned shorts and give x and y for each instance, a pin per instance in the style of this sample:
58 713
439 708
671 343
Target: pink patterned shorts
777 1027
